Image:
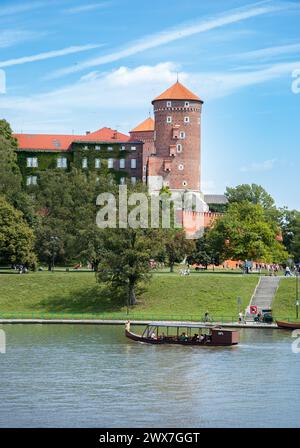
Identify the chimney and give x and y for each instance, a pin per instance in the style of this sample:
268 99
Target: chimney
87 132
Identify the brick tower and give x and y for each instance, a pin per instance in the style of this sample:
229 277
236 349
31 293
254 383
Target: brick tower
176 162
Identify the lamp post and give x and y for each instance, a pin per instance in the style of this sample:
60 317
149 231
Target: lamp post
297 294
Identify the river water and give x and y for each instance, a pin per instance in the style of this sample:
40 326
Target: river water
92 376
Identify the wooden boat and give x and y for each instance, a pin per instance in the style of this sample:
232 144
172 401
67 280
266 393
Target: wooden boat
288 325
203 335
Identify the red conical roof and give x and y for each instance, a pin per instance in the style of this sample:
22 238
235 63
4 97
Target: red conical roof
145 126
177 92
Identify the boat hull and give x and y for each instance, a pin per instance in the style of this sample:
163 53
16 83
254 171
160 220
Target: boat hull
171 341
288 325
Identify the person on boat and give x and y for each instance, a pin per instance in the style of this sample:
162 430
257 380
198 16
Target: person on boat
153 335
195 338
127 325
183 337
241 317
162 337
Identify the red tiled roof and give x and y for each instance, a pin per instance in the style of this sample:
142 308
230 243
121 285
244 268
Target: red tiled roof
145 126
177 92
58 142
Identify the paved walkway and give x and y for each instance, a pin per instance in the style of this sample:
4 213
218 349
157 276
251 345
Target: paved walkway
265 292
133 322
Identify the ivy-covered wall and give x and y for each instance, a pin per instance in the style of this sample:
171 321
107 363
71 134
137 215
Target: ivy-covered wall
79 151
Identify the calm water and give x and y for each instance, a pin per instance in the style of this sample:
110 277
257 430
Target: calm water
91 376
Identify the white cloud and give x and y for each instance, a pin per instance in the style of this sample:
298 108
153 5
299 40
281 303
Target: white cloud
20 8
266 165
220 84
47 55
174 34
122 97
8 38
86 8
270 52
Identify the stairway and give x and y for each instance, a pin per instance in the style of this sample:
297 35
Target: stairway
265 292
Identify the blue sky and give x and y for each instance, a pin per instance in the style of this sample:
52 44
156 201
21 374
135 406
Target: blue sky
73 66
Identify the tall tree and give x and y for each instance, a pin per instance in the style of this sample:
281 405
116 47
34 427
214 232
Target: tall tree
177 246
10 176
125 259
244 232
7 134
253 193
204 253
16 237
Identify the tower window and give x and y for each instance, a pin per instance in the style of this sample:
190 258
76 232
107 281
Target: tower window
84 163
169 119
133 180
122 180
169 103
181 167
122 163
182 135
122 148
110 163
179 147
97 148
186 119
133 163
184 183
97 163
186 104
109 148
133 148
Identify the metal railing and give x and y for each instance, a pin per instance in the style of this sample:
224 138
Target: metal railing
183 317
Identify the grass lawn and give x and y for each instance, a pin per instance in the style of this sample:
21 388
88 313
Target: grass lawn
77 295
285 299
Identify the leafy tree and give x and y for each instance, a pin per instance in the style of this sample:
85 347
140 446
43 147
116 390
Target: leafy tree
125 259
16 237
204 253
253 193
10 176
244 232
295 244
177 246
6 133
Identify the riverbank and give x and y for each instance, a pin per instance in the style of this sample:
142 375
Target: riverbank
67 295
61 295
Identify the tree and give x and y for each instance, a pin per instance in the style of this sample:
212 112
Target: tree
295 245
253 193
125 259
204 253
10 176
6 133
244 232
177 246
16 237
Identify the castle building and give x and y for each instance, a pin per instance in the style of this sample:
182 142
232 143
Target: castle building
161 152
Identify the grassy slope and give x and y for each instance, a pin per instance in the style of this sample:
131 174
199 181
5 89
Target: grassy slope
285 299
78 295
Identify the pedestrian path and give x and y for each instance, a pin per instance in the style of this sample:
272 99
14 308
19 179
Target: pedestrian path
265 292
